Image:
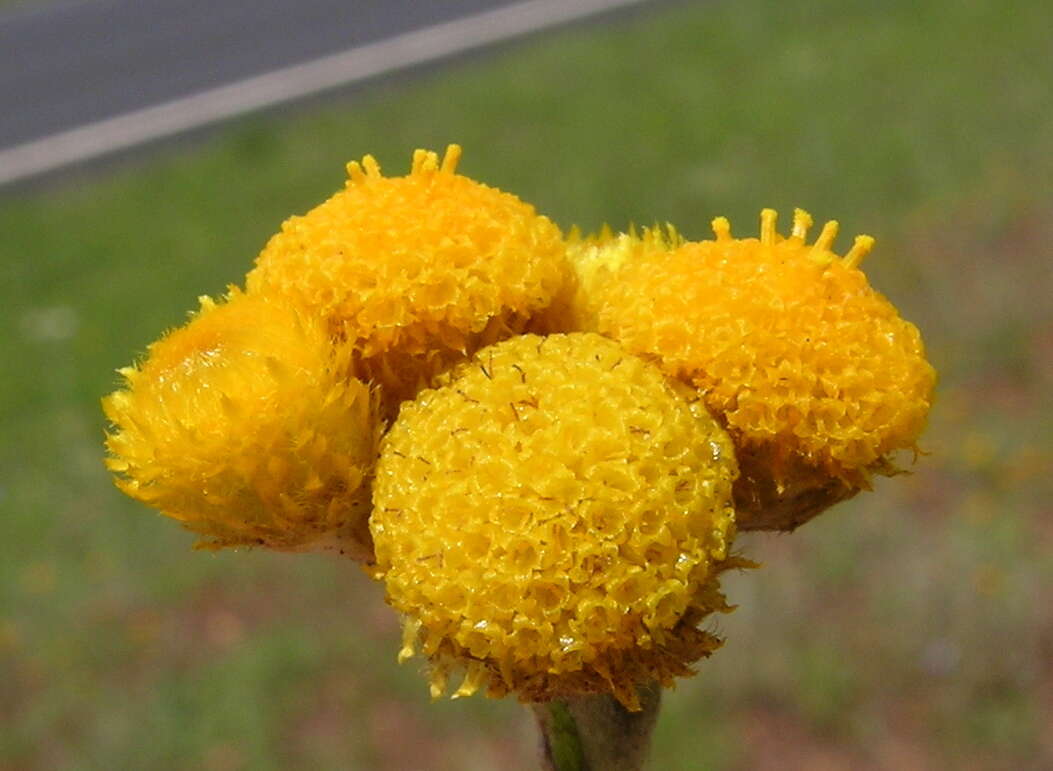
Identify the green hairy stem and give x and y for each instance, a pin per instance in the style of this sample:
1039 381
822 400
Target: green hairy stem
596 733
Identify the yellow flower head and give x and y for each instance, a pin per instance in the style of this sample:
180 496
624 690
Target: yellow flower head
417 271
243 426
814 373
553 519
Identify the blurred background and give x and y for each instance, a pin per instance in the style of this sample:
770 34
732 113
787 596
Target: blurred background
910 628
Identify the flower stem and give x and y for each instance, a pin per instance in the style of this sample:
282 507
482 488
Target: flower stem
596 733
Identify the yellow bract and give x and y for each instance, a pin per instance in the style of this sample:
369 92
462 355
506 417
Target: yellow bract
553 519
814 373
417 271
243 426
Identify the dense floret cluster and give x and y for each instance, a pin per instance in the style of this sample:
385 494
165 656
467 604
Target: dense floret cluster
555 516
244 426
542 447
814 373
417 272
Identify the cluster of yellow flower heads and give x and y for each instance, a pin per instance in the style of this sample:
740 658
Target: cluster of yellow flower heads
550 513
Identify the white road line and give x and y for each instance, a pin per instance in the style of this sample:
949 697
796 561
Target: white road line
282 85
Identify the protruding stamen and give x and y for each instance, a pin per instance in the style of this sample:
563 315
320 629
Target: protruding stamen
673 237
826 238
418 160
451 159
424 160
860 249
802 221
369 163
767 226
721 228
355 173
437 682
410 630
473 678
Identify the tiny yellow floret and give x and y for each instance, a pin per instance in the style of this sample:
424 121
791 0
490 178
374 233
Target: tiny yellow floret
813 372
243 426
418 271
552 521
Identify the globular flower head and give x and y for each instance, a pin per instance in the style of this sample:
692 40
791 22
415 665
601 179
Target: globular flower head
416 271
244 426
814 373
552 519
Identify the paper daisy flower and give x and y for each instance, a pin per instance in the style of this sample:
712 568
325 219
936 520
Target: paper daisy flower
243 426
417 272
552 521
813 372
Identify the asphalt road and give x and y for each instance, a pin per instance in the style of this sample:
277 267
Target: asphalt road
75 63
69 65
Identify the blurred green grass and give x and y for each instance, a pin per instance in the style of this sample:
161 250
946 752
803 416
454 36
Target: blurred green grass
906 629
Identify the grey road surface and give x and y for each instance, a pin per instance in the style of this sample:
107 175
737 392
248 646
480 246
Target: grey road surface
69 65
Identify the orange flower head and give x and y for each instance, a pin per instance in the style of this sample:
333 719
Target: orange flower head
814 373
417 271
243 426
553 519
